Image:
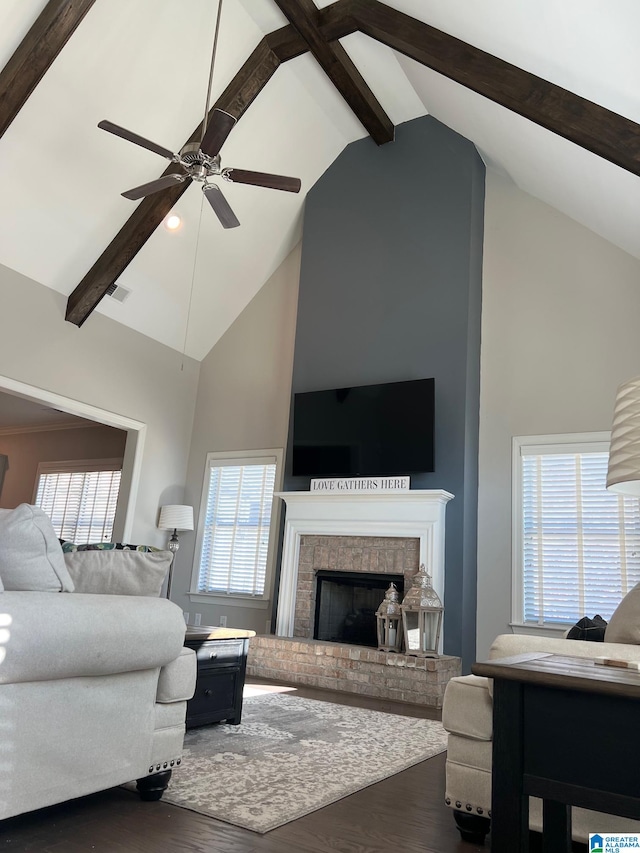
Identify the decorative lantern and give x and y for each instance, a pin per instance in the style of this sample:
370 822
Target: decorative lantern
388 620
422 616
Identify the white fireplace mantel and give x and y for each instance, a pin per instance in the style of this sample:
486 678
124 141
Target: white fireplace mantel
418 513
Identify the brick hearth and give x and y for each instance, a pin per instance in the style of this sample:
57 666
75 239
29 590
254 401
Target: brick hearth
353 669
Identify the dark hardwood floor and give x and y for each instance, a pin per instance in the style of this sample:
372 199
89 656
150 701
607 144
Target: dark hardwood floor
403 814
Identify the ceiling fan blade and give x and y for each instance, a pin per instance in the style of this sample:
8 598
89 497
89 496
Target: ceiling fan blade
154 186
220 206
262 179
219 127
135 138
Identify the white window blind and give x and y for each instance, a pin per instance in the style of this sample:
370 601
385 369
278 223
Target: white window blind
80 498
580 544
235 538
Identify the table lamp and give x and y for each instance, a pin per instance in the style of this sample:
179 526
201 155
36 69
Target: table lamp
175 517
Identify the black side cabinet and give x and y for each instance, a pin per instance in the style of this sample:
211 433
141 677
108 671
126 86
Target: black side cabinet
222 663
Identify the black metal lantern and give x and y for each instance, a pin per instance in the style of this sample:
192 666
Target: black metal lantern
422 616
388 620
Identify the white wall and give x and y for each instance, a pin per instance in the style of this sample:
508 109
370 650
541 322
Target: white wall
112 367
243 404
561 313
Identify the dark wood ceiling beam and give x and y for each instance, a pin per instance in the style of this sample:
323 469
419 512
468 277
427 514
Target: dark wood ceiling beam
337 20
52 29
335 62
588 125
236 98
601 131
334 22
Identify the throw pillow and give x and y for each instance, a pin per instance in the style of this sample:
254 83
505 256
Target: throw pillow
624 625
588 629
118 572
30 555
67 546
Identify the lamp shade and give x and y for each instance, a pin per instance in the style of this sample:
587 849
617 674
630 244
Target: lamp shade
176 517
623 475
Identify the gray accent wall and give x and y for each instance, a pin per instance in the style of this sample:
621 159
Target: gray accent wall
390 290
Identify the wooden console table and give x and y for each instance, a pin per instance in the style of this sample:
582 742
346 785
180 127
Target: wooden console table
564 731
222 663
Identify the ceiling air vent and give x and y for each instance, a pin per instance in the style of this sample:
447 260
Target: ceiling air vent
118 292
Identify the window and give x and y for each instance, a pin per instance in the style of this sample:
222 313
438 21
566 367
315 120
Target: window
80 497
576 545
235 543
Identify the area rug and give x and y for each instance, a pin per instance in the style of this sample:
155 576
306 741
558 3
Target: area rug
291 756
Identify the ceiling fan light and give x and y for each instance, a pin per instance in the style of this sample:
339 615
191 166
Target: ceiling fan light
172 222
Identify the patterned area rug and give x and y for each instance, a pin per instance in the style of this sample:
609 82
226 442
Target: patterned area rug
291 756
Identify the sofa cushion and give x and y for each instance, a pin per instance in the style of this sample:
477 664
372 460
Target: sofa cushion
624 625
118 572
69 636
508 645
467 708
30 554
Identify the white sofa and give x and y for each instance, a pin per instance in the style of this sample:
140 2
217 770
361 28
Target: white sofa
93 687
467 715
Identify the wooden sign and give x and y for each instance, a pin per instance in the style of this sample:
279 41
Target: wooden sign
361 484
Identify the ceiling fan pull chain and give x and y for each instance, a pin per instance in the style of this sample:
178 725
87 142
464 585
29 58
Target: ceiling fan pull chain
213 60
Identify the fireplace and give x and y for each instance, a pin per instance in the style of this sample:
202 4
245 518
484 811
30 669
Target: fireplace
371 534
375 532
346 604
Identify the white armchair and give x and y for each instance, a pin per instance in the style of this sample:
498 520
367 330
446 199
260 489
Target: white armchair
93 687
467 715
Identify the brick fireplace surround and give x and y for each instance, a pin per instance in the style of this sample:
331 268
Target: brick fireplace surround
390 533
358 554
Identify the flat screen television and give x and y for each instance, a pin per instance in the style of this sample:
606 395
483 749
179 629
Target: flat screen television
369 430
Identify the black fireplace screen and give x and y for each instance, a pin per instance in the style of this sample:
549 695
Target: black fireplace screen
346 604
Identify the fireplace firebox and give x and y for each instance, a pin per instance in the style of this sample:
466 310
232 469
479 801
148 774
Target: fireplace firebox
346 604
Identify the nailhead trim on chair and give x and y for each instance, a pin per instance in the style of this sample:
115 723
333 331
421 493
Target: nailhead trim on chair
164 765
468 806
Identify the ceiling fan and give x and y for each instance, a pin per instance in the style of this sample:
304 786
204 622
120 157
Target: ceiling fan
200 161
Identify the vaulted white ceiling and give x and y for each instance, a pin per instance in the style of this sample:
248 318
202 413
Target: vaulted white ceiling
144 64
